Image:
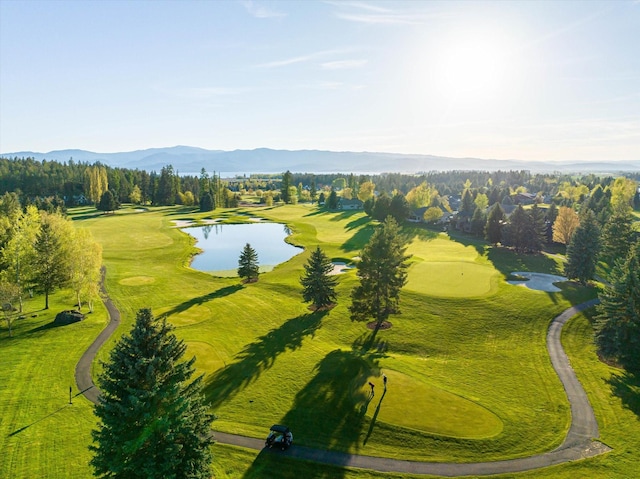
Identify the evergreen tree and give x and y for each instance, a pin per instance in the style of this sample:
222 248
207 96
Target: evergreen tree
107 202
399 208
248 264
51 267
313 193
516 231
582 252
618 320
495 222
381 207
206 202
467 205
617 236
285 192
536 234
318 286
478 222
382 273
332 201
153 420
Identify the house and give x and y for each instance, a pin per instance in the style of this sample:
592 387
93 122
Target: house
417 216
524 199
345 204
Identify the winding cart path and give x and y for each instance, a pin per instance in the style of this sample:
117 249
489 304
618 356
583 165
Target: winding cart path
579 443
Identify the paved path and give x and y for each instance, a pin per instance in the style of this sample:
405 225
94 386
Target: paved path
579 443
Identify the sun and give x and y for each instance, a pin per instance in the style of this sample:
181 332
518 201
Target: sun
472 66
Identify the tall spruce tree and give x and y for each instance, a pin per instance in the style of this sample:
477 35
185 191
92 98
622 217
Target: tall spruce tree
617 235
516 231
248 264
51 260
536 234
153 420
583 249
382 272
618 320
318 286
495 222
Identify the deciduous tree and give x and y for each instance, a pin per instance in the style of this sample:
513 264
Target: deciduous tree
318 286
153 420
84 266
565 224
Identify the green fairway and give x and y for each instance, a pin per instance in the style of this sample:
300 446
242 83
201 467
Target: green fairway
469 375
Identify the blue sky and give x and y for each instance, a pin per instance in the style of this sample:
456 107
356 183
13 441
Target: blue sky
506 80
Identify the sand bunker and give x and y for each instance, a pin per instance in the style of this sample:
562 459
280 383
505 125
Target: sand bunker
539 281
339 268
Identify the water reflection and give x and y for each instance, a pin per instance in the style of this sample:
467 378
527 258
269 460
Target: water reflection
221 247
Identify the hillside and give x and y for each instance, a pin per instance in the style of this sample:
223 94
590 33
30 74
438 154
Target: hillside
186 159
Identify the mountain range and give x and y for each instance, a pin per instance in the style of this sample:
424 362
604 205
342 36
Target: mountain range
190 160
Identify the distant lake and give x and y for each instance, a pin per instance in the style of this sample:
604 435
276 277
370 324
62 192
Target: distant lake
222 245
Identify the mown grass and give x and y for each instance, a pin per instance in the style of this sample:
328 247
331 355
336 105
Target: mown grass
469 377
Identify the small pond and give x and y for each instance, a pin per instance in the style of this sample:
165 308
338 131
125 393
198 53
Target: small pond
222 244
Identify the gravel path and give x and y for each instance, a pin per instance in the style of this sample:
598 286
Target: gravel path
579 443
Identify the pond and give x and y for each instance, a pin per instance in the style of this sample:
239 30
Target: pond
222 244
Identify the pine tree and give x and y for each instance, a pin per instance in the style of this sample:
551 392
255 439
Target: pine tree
382 273
618 320
107 202
51 266
582 252
153 421
617 235
248 264
287 178
318 286
478 222
536 234
399 208
516 232
495 222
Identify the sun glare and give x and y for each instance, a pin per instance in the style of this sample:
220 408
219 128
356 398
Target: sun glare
472 66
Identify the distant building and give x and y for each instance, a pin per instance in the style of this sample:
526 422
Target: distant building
524 199
354 204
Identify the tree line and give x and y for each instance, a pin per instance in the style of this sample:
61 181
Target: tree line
41 252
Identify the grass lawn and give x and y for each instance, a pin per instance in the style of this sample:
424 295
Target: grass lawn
469 376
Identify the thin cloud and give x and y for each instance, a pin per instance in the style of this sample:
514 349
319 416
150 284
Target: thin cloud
361 12
343 64
299 59
260 11
362 5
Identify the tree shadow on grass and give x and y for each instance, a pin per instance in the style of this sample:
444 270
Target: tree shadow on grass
411 231
626 386
359 239
466 240
259 356
507 261
219 293
327 412
357 223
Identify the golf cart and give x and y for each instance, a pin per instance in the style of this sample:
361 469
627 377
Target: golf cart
279 436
